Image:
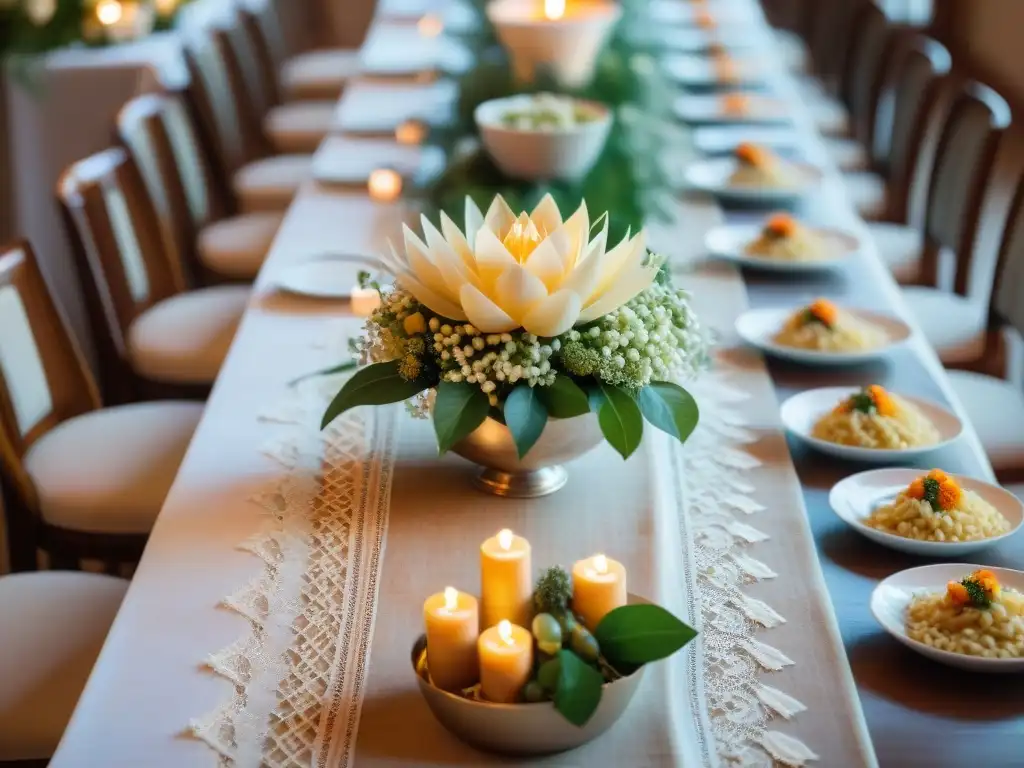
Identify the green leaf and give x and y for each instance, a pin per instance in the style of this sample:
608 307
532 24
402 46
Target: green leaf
348 365
374 385
525 417
639 634
621 422
458 410
670 408
579 688
564 399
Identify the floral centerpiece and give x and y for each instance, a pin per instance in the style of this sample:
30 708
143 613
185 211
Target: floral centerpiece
525 320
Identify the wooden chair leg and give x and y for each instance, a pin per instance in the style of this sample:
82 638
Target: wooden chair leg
22 536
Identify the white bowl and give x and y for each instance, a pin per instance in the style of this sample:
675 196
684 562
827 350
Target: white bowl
730 242
698 108
699 71
567 154
801 412
758 328
854 498
713 176
891 598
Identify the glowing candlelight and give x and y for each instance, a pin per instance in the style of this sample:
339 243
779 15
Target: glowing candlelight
554 9
451 599
453 624
598 586
506 588
411 132
385 185
506 660
109 12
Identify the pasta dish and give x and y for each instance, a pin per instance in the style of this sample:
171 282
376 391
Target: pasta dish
935 508
760 167
874 418
785 239
975 616
825 328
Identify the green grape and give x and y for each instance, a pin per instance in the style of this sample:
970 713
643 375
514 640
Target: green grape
548 674
547 632
584 644
534 692
568 622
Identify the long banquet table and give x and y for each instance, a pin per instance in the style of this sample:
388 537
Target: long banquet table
411 523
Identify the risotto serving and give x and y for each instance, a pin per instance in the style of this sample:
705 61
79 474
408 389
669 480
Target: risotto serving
786 239
975 617
825 327
935 508
760 167
874 418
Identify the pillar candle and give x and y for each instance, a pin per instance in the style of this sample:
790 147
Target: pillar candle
598 586
453 625
506 584
506 661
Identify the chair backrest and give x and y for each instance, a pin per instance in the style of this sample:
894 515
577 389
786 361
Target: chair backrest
862 80
254 95
968 145
1007 303
44 379
159 133
831 41
262 25
912 96
117 239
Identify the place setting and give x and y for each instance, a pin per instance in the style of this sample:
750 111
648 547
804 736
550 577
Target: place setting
783 244
720 70
764 113
332 277
754 176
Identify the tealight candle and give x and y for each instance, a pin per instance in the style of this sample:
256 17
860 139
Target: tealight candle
452 628
384 185
364 300
598 586
506 661
410 132
506 588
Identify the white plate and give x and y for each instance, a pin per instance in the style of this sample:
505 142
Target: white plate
725 13
327 277
758 328
731 240
712 175
891 598
854 498
801 412
697 40
700 108
723 139
698 71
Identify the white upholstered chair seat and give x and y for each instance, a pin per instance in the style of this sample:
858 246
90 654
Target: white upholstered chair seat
867 192
184 339
319 74
299 126
996 409
271 183
792 50
108 471
847 154
236 247
52 627
900 247
956 327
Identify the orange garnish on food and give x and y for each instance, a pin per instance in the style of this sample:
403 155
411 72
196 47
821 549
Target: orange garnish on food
726 70
957 592
781 225
752 154
988 581
705 19
939 475
735 103
824 312
916 489
937 488
884 403
949 494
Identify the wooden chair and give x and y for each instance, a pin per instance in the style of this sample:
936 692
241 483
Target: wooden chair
830 47
911 109
79 481
52 627
256 183
160 134
154 337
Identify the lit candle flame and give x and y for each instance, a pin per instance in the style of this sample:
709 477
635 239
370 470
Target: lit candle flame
505 632
410 132
109 12
385 185
554 9
505 539
600 563
451 598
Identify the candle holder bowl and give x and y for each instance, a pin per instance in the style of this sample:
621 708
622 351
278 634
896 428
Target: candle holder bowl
564 154
521 729
539 473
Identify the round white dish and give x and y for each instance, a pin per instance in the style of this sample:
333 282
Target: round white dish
892 597
758 328
854 498
801 412
678 39
325 277
730 242
723 139
567 153
713 176
699 108
697 71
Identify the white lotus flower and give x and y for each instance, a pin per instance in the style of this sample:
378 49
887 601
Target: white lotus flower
534 271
